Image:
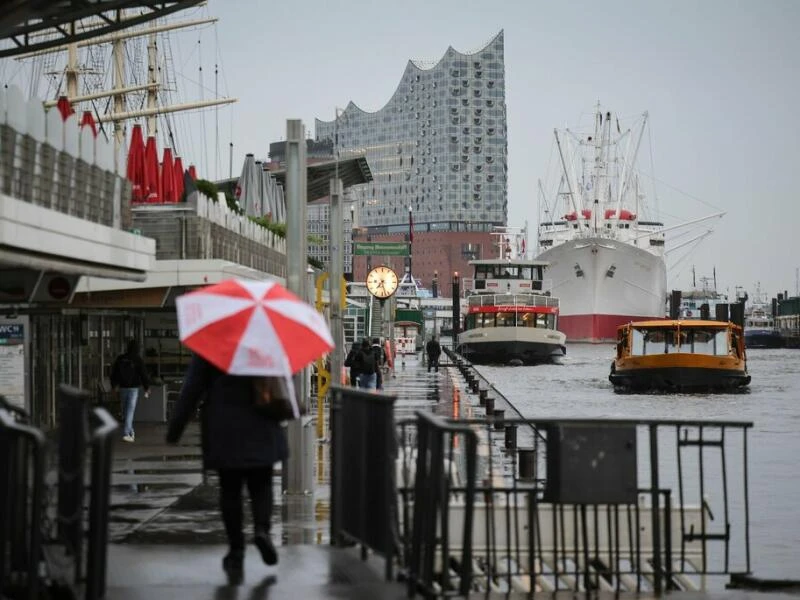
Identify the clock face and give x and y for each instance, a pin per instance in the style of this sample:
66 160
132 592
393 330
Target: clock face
382 282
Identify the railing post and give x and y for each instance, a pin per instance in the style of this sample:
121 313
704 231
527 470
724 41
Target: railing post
655 515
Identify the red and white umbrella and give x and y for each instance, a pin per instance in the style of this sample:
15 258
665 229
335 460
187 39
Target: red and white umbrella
252 328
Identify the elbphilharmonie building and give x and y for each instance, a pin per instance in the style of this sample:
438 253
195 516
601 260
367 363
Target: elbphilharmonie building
438 149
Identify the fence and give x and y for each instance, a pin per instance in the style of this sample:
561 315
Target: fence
625 505
30 550
22 450
363 504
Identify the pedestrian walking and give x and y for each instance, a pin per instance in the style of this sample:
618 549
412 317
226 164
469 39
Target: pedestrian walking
250 337
367 366
380 360
350 361
242 443
128 375
433 350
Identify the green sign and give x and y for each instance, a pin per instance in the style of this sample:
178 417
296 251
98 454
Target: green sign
380 249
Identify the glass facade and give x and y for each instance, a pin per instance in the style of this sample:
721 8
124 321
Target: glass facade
438 146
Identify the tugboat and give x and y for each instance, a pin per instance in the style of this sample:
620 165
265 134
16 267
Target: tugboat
680 356
511 318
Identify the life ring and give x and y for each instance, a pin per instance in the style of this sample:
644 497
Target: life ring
688 313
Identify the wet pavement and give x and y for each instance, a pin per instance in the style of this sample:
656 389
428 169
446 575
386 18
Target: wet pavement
167 538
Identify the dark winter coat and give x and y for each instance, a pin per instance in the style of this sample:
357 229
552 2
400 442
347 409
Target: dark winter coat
433 349
235 434
139 372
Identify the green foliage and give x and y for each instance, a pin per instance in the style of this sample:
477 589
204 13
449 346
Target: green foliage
207 188
317 264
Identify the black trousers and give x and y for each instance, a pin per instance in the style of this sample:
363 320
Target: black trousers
433 361
259 486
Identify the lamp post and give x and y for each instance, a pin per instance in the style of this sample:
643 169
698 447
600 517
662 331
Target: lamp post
410 241
352 242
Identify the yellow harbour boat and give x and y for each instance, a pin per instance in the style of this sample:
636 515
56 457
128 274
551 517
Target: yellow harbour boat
679 356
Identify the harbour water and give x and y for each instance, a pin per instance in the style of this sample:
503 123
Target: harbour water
579 387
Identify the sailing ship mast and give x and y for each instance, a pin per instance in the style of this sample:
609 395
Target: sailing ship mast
119 90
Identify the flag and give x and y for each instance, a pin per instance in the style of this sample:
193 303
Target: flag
410 226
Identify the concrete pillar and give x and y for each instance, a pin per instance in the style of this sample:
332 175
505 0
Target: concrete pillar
299 478
336 270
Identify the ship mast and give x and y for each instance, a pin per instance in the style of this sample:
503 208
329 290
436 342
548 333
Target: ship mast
119 90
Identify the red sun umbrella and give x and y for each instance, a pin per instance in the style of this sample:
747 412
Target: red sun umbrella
87 120
151 177
168 177
192 173
252 328
64 107
178 178
135 170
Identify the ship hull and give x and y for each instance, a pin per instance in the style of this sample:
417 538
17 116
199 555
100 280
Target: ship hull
502 345
601 284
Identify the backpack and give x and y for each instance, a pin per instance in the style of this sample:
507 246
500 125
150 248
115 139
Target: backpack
126 372
367 364
377 352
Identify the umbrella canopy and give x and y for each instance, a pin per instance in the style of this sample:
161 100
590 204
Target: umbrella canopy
64 107
192 172
169 192
252 328
178 178
135 169
152 180
247 188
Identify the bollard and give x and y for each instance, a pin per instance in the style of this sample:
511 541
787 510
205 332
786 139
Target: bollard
527 463
475 386
511 437
482 395
498 416
489 406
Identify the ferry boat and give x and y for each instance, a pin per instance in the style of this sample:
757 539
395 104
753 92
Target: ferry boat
510 314
679 356
759 324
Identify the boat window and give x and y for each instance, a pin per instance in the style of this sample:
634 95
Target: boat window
484 320
721 343
505 319
543 320
527 319
637 342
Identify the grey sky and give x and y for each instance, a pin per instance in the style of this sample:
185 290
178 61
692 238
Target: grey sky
719 79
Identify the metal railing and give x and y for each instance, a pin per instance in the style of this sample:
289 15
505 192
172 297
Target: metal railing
363 488
22 450
602 505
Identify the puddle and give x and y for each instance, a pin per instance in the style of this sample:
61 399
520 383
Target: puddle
168 457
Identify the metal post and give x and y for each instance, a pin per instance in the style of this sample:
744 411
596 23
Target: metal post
298 480
456 308
336 268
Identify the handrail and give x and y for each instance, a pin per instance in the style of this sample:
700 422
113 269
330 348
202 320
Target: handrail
36 441
102 443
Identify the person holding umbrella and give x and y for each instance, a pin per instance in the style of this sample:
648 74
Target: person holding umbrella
244 333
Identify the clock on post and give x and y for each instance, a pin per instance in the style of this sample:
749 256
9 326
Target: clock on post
382 282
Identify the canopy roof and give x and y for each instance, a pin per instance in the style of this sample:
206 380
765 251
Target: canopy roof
31 25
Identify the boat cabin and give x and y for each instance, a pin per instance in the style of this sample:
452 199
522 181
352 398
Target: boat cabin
711 338
493 276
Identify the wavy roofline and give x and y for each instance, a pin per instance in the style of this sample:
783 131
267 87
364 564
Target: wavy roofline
411 65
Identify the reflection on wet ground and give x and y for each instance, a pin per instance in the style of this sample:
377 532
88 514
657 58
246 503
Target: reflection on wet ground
161 495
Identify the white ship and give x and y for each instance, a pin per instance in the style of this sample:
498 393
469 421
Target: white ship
606 258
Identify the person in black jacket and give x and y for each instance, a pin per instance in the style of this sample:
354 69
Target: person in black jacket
242 444
433 350
128 375
350 361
